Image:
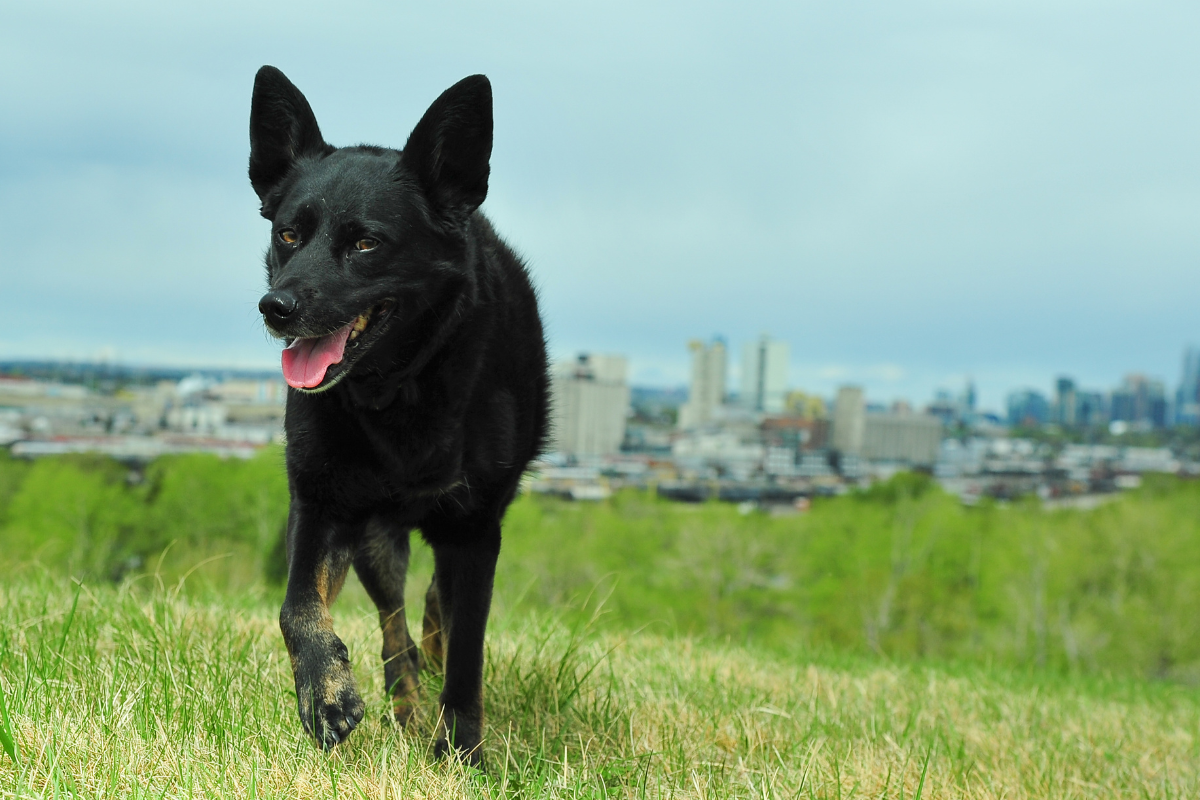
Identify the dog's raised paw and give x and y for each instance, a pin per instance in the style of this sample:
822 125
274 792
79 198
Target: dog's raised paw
330 708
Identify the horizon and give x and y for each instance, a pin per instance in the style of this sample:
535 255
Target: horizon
910 197
262 371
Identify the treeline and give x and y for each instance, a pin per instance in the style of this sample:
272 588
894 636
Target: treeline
902 569
97 519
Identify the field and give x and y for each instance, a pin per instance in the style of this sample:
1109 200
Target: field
142 691
891 644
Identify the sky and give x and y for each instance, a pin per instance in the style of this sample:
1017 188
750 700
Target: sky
909 193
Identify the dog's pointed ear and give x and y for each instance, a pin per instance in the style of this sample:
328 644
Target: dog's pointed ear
283 128
450 149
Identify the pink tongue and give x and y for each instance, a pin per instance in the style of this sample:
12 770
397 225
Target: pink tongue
305 360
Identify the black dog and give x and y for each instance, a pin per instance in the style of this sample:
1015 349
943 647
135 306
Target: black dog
418 368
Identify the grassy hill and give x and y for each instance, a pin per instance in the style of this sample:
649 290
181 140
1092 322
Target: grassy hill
890 644
142 691
902 570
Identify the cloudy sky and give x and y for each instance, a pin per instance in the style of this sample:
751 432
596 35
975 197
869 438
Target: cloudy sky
908 193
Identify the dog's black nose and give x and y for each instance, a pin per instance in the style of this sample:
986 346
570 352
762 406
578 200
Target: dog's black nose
277 306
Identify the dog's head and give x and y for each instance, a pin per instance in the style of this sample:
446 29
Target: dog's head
367 243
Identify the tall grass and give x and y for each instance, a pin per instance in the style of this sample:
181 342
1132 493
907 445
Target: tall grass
147 690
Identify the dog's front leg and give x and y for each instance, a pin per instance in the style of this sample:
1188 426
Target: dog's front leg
328 703
464 576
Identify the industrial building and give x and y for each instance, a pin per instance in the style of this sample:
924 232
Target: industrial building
911 439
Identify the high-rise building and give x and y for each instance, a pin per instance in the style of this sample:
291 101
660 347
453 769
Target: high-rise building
1187 399
1090 409
1141 401
764 375
706 392
589 405
1028 407
849 421
1073 407
967 403
1064 402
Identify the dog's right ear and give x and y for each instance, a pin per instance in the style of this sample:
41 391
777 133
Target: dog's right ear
449 150
283 128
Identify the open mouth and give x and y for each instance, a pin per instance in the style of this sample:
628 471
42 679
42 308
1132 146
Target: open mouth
316 363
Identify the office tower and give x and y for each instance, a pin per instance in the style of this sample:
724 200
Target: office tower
1064 402
849 421
1141 401
1028 407
764 375
706 391
1187 399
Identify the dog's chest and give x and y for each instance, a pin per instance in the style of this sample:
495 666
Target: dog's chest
355 462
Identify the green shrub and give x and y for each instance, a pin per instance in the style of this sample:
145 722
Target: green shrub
95 518
901 569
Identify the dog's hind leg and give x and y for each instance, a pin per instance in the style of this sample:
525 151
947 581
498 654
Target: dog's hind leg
464 576
431 629
328 703
382 565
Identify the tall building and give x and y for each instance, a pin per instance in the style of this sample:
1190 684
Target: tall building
1090 409
967 402
849 421
1074 407
706 392
1141 401
1028 407
764 375
589 405
1187 399
1064 402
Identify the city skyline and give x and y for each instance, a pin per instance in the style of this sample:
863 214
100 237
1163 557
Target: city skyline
830 384
909 196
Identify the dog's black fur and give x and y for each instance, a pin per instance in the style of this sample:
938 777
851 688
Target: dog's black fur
432 415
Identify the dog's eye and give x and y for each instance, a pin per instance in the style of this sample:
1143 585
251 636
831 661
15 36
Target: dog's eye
366 244
288 236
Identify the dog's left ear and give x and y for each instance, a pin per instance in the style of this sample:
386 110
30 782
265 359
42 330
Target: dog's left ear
449 150
283 128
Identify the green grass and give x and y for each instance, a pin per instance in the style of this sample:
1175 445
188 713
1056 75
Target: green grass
147 690
888 644
902 570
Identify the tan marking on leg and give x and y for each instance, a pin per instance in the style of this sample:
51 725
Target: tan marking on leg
405 698
399 660
329 582
432 640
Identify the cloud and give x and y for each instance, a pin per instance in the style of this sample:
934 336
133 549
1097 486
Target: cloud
944 188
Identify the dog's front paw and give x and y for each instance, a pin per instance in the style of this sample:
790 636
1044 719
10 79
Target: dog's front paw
329 705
